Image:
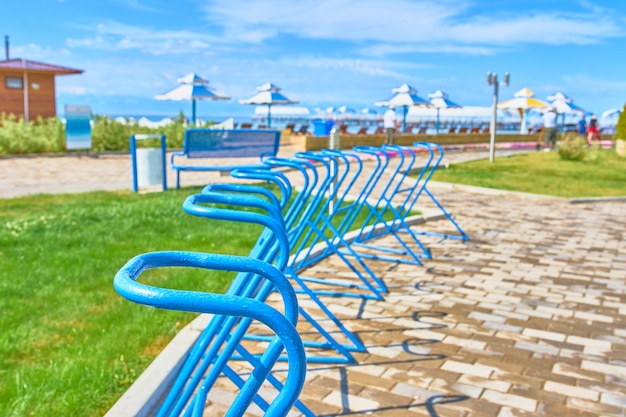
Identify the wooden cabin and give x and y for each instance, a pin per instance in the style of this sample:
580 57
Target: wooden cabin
27 88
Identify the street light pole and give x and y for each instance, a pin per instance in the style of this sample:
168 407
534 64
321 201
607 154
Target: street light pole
492 79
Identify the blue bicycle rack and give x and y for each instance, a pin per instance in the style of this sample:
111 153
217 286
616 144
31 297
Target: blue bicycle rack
387 214
210 359
266 250
315 228
318 222
433 149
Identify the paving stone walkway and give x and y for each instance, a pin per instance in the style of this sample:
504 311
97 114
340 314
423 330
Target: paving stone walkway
525 319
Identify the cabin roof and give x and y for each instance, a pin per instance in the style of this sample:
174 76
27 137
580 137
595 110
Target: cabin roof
34 66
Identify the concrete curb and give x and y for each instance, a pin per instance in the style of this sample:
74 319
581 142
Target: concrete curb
521 195
582 200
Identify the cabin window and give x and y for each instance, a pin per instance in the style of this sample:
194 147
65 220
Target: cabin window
14 82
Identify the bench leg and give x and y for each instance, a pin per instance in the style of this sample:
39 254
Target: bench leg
178 179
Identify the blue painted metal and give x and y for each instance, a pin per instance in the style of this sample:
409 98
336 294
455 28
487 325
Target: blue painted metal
436 149
293 219
236 308
315 226
226 144
265 249
221 338
133 158
396 166
305 223
272 246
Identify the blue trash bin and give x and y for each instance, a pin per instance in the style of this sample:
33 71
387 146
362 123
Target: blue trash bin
322 127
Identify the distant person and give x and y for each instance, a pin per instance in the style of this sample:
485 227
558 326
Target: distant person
390 124
582 126
549 128
592 130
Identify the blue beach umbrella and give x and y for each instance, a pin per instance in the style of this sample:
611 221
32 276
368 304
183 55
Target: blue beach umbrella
268 94
404 96
192 87
440 100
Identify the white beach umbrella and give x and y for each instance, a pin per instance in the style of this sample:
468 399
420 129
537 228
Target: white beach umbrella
404 96
329 112
368 111
611 112
346 112
440 100
523 101
192 87
268 94
565 105
346 109
610 117
368 114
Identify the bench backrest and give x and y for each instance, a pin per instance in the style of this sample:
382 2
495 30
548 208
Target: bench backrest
210 143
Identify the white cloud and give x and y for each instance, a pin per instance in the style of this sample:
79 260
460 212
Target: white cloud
354 66
384 49
407 22
38 53
551 29
113 36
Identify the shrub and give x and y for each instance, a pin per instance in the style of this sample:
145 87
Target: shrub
573 147
36 136
620 127
48 135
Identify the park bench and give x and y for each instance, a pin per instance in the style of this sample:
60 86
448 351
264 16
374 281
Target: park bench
227 145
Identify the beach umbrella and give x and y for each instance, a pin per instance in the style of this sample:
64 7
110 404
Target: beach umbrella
346 109
404 96
565 105
611 112
368 114
610 117
192 87
440 100
346 112
523 101
329 112
268 94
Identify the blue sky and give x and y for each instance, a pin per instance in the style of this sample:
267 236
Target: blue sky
322 53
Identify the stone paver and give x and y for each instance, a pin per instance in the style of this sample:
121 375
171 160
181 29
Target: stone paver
514 322
526 318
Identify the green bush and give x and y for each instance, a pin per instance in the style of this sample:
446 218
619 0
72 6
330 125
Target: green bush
37 136
48 135
620 127
573 147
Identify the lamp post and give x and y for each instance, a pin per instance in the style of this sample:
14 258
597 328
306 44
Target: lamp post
492 79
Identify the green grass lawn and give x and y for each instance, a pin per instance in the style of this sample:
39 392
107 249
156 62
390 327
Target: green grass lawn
70 345
602 174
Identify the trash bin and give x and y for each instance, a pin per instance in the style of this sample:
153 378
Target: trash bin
148 164
149 167
322 127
